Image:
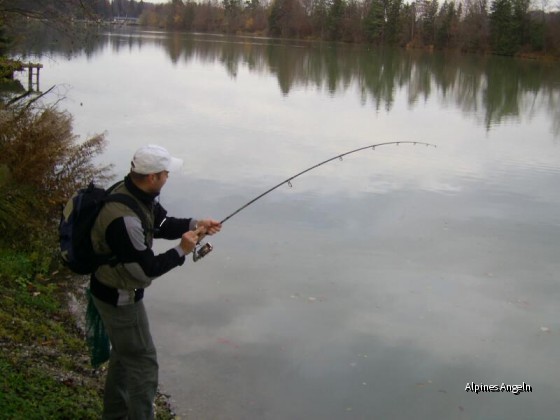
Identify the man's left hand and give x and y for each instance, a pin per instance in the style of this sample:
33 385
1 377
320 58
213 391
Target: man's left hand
210 226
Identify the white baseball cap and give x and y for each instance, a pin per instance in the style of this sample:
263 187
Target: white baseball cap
154 159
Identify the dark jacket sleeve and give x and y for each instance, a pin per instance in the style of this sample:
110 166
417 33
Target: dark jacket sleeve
125 236
167 227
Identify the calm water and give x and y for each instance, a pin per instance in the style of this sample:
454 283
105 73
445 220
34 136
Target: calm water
374 288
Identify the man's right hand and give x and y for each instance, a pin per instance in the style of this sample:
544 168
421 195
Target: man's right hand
189 241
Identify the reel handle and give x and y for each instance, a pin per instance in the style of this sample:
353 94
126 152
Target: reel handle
201 250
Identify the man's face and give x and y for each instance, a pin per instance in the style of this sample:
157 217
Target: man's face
159 181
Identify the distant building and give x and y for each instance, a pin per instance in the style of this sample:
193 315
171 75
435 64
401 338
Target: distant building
124 20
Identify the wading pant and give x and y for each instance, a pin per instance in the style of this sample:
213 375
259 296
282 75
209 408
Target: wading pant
132 377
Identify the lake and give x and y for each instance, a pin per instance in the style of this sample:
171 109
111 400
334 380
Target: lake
385 285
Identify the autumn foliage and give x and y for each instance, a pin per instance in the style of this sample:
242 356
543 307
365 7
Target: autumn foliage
41 164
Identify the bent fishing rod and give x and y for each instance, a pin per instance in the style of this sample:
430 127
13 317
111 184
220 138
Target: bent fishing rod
202 250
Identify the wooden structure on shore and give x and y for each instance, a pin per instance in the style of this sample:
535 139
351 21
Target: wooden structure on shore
9 67
32 68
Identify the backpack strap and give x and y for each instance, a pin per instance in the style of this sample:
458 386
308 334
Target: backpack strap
129 202
115 185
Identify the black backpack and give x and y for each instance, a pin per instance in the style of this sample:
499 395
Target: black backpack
76 222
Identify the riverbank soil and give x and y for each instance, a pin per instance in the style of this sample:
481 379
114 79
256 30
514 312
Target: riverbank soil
45 369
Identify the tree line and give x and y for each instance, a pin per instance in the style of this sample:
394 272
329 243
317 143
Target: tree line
506 27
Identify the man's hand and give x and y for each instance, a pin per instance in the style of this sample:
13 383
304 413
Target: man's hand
189 240
208 226
204 227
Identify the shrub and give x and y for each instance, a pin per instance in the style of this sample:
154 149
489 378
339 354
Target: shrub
41 164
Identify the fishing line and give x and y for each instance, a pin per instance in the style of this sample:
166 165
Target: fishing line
204 249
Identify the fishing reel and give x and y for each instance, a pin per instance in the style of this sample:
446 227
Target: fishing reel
201 250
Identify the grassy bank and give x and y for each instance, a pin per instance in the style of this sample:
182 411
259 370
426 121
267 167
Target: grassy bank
45 369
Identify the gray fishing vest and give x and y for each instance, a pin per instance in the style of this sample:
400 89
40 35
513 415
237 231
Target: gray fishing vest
119 275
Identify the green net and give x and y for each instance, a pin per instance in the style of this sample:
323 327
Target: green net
96 337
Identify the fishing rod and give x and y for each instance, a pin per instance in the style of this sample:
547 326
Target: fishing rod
203 249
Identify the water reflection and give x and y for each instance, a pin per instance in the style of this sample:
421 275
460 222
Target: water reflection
492 89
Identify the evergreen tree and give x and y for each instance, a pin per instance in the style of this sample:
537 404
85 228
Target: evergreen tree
335 19
375 22
408 31
521 24
393 21
446 23
502 36
428 15
285 18
276 19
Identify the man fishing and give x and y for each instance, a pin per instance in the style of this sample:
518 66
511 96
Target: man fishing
117 288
